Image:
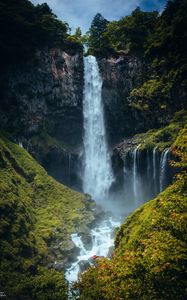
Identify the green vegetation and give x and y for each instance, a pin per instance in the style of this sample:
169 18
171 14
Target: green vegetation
25 27
163 137
160 43
149 259
128 35
96 38
35 211
165 50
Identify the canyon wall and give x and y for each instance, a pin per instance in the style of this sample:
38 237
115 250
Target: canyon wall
120 76
41 107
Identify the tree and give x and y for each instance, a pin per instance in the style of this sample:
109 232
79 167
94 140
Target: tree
78 33
97 41
44 9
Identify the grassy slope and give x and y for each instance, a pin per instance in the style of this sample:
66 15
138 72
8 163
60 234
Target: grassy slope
150 248
164 137
35 209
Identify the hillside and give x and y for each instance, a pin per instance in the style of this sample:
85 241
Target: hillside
149 259
35 212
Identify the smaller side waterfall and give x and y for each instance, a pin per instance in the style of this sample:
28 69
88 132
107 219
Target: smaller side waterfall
163 166
155 161
146 173
136 186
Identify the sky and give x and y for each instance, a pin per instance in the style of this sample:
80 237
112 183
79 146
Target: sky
79 13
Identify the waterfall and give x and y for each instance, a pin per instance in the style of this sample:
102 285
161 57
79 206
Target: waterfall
97 171
145 173
155 171
163 166
135 174
69 169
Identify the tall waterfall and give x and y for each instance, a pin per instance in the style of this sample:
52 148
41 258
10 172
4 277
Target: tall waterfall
136 189
97 171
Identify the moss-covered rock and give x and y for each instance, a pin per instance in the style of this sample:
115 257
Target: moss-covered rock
36 213
160 139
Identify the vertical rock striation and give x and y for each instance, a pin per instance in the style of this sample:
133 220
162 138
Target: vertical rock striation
41 107
120 76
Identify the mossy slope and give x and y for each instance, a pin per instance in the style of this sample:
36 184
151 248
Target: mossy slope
35 210
150 248
163 137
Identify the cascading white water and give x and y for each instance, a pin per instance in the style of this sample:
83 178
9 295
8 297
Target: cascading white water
146 173
155 170
163 165
102 240
97 171
136 189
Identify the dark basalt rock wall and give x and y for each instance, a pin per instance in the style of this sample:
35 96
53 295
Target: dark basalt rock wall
44 94
120 76
41 107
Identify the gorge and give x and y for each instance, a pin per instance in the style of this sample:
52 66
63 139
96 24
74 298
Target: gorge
145 174
93 155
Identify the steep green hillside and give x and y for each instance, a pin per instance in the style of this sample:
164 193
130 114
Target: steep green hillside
163 137
150 258
35 212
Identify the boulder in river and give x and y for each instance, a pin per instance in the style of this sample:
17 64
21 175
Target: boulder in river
84 265
87 241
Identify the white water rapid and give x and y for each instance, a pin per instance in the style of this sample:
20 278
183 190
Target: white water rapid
102 240
97 171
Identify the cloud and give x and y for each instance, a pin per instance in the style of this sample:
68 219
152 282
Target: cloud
81 12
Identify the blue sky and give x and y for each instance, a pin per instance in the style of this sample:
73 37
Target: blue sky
81 12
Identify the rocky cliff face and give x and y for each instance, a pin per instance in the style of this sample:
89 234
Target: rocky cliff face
45 93
41 106
120 76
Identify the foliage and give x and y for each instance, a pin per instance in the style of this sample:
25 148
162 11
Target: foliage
153 94
164 137
76 37
96 39
35 211
165 49
159 42
25 27
150 258
128 34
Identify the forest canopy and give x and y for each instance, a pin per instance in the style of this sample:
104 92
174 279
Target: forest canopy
25 27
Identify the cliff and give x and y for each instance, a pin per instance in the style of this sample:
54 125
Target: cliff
120 75
41 105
